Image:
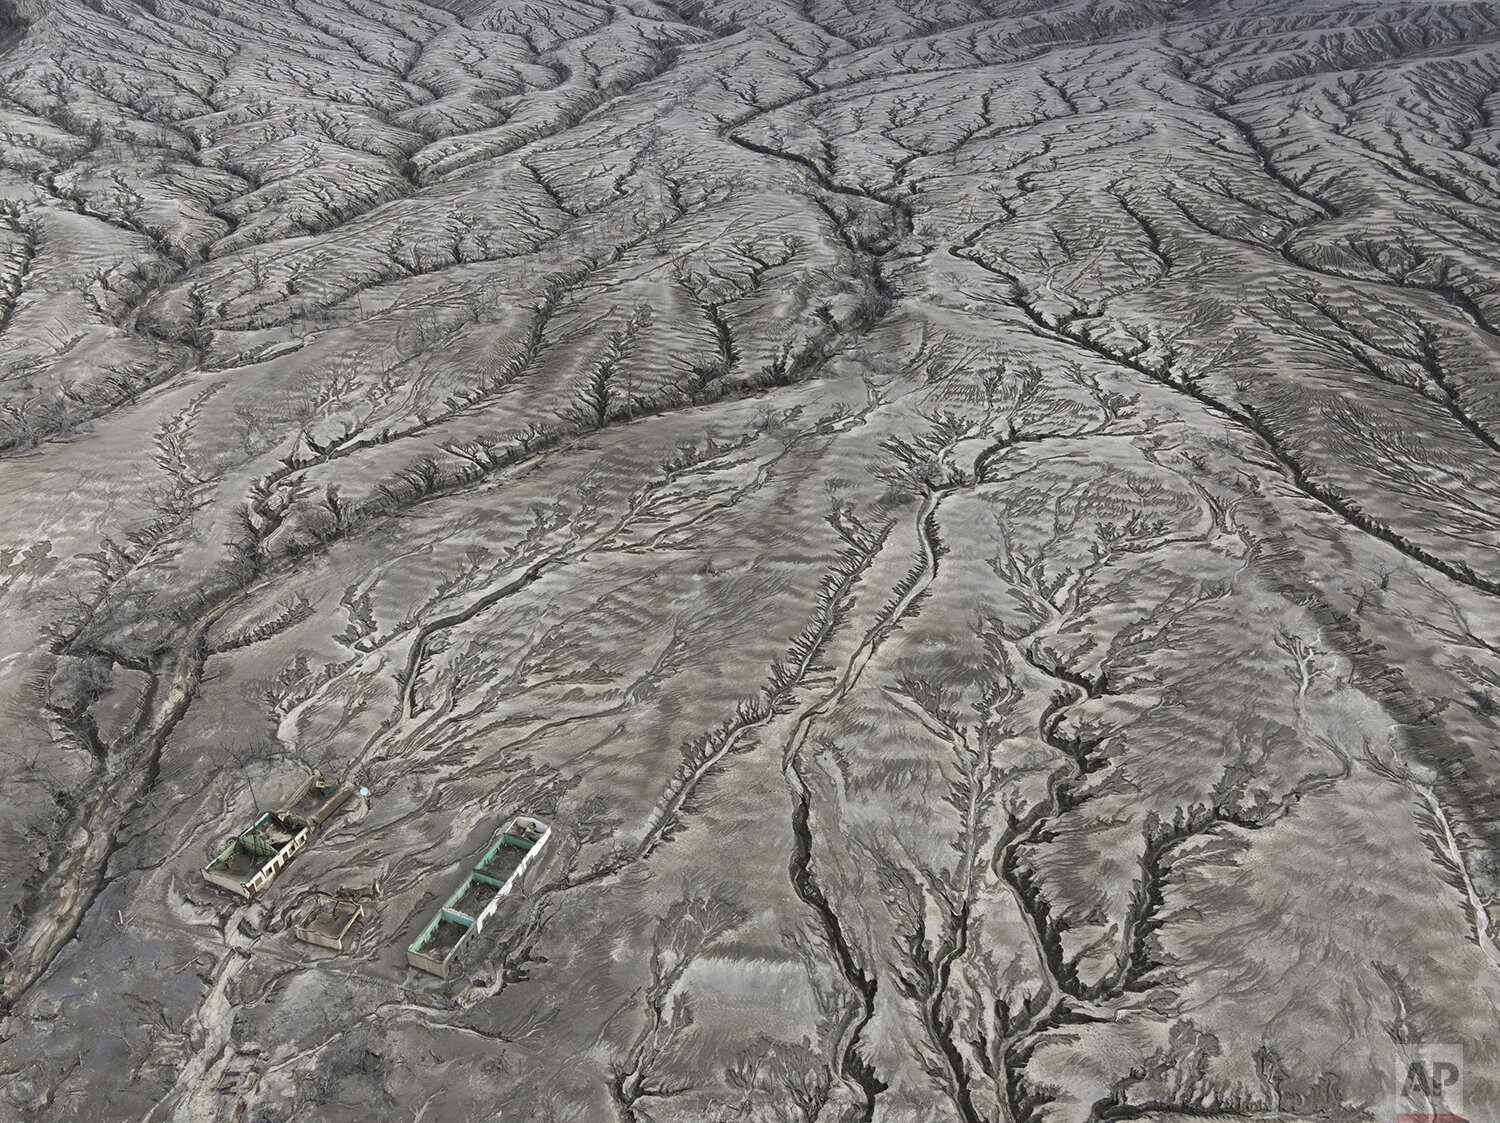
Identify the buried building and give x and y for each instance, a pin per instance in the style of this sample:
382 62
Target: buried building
329 920
251 862
477 897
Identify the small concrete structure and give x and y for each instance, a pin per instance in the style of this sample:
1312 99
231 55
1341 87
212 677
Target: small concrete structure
477 897
251 862
328 922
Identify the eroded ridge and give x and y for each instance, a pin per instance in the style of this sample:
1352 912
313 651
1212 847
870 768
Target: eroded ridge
975 520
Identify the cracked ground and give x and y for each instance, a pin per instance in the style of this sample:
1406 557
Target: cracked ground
977 521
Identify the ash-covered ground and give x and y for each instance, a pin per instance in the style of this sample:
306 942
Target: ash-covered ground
976 521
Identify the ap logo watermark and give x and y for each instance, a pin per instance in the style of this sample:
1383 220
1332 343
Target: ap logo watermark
1432 1084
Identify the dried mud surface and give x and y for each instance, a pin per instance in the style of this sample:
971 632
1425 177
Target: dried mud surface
977 521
